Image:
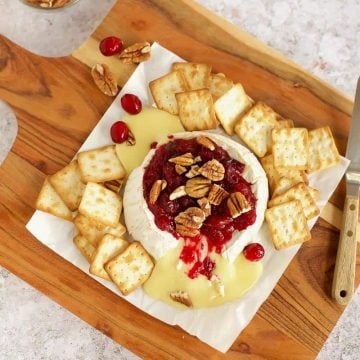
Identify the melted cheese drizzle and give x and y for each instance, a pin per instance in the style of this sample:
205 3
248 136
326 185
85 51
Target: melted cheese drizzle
237 277
148 126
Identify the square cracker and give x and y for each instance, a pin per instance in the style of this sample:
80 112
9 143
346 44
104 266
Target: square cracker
100 165
94 231
290 148
274 175
231 106
285 184
67 183
197 76
84 246
219 84
101 205
254 128
287 224
295 175
49 201
196 110
267 162
130 269
109 247
164 89
298 192
322 149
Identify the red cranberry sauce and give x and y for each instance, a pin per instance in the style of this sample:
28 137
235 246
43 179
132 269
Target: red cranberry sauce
219 226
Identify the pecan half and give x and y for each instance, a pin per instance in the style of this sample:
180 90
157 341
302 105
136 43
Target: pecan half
177 193
157 187
104 79
206 142
192 217
237 204
197 187
136 53
194 171
213 170
205 206
181 297
48 3
217 194
180 169
183 160
114 185
186 231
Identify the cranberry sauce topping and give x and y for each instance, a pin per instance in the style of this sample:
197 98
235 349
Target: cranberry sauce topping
217 227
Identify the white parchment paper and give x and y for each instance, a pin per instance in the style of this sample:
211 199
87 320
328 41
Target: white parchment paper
218 326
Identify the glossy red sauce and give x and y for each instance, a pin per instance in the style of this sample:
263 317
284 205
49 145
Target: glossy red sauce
218 228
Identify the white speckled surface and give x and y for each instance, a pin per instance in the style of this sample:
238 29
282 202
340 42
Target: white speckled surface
322 36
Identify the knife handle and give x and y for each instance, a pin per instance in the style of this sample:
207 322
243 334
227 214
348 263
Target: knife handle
343 283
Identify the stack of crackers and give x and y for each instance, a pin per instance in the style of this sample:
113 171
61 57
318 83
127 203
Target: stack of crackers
87 192
204 100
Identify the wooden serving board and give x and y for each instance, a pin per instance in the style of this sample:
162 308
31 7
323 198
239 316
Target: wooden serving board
57 106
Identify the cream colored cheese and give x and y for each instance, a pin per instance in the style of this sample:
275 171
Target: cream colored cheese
231 280
148 126
140 220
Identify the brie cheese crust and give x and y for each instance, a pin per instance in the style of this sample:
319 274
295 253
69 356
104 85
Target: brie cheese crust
140 220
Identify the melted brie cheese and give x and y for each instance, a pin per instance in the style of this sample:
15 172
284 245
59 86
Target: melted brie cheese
231 280
150 125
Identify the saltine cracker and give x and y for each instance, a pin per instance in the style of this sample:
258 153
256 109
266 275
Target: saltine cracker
50 202
231 106
196 75
131 268
101 205
164 89
219 84
100 165
255 127
109 247
299 192
68 184
287 224
196 110
290 148
322 149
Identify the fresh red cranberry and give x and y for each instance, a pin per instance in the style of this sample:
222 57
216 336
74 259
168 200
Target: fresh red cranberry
153 145
111 46
254 252
119 132
131 104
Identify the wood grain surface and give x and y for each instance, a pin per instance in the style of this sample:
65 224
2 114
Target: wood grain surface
57 106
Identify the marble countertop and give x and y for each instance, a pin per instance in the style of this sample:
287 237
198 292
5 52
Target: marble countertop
322 36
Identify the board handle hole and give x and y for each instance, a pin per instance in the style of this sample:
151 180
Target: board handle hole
343 293
349 233
352 207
